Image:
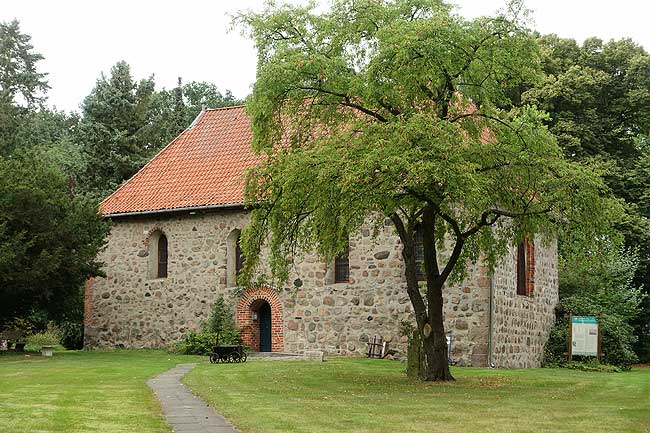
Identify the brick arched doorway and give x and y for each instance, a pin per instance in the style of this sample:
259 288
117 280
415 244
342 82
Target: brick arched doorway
252 310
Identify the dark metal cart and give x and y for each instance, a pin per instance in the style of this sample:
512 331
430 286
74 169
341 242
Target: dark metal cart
233 353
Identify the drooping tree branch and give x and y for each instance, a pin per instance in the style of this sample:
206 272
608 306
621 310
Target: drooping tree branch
347 102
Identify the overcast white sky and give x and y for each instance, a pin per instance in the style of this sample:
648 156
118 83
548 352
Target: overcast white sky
191 38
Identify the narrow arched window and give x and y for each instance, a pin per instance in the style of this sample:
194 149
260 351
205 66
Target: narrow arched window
162 256
342 267
525 268
234 257
239 257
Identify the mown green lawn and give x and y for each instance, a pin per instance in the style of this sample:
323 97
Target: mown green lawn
361 395
106 392
101 392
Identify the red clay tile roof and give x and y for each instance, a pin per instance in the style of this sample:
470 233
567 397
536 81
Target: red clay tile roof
204 166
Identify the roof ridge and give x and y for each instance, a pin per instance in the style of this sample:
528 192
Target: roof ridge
230 107
199 118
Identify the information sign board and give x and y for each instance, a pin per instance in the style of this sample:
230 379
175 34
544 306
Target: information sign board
584 336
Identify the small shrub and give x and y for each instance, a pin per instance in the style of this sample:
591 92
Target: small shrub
220 328
72 335
598 282
197 343
49 337
221 323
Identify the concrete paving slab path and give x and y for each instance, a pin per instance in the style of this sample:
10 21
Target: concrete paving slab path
185 412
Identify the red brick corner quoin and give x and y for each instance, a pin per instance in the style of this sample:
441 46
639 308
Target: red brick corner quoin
249 330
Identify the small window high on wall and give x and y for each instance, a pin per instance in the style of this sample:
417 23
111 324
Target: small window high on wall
162 256
342 267
525 268
234 258
239 257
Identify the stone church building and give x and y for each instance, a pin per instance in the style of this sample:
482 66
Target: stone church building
173 248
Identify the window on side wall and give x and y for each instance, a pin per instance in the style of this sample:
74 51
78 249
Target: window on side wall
239 257
342 267
158 255
234 257
525 268
162 256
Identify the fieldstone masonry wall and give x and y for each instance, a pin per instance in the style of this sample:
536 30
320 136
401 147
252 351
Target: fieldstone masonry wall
522 323
129 309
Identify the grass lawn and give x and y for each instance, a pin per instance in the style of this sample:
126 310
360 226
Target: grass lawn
106 392
83 392
374 396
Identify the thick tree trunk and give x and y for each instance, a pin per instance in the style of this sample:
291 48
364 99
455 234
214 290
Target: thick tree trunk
429 323
435 343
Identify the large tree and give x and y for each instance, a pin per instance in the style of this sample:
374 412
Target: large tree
125 122
381 110
598 98
49 238
22 86
113 129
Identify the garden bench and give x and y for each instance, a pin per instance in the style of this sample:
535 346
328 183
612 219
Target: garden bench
12 337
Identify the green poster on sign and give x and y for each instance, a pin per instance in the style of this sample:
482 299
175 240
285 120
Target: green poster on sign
584 336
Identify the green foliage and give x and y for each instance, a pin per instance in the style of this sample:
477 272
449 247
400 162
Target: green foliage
49 238
71 321
196 343
112 129
221 322
397 138
21 326
589 364
22 87
220 328
598 283
51 336
18 76
395 109
125 122
586 90
598 96
72 334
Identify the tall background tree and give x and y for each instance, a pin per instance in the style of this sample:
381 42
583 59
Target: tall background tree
49 236
113 129
598 98
176 109
394 109
22 86
125 122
